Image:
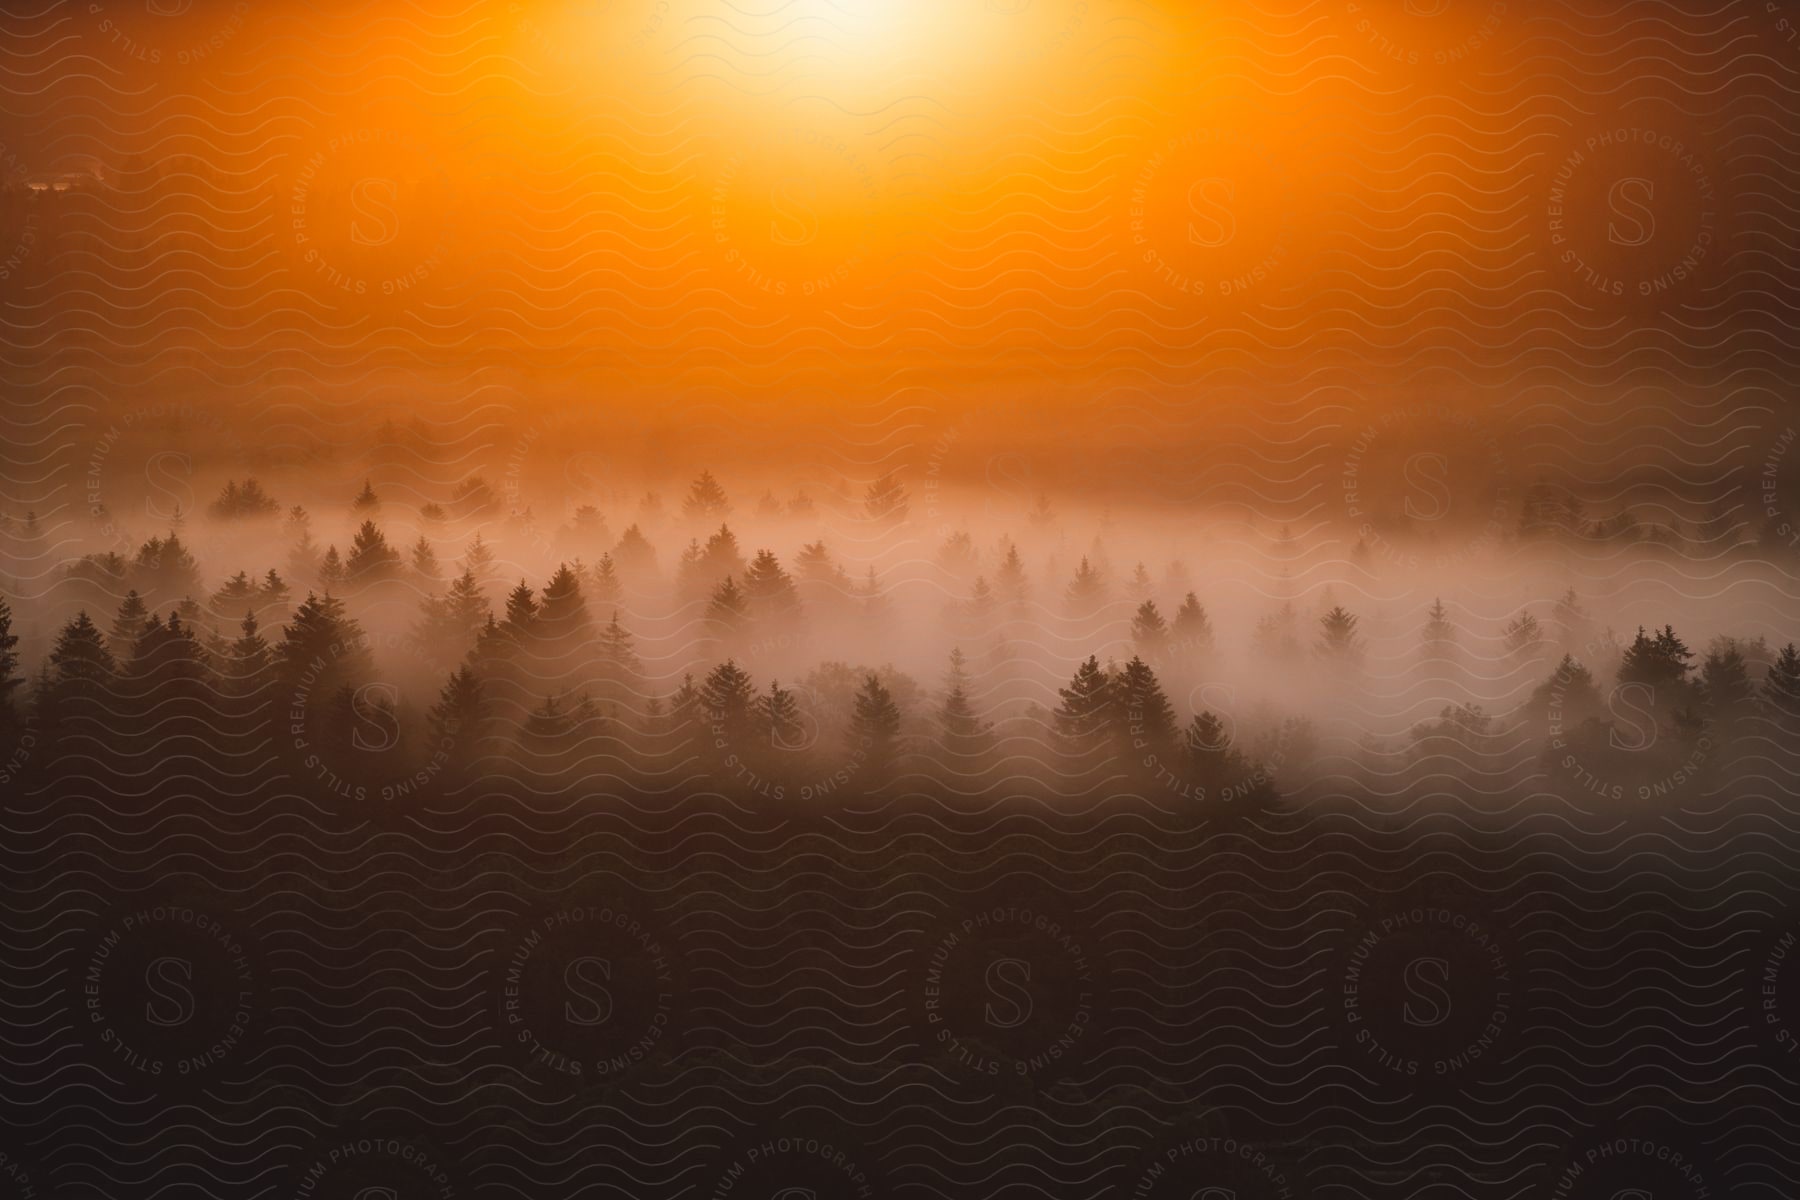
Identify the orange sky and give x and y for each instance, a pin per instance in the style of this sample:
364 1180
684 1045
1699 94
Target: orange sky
800 205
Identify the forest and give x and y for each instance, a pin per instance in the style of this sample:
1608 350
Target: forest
373 675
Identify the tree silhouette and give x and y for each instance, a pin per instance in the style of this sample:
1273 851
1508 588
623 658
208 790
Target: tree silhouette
1781 685
769 592
1149 632
1087 591
705 499
875 726
371 559
1083 720
10 678
725 700
128 625
1339 643
778 718
1144 720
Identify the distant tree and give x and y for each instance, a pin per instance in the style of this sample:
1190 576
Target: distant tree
1660 660
1277 635
521 611
1339 642
367 504
457 723
957 554
1523 635
1149 632
1567 698
448 623
873 598
1781 685
1086 591
562 615
371 559
1143 720
164 570
1140 583
1009 578
875 727
478 560
473 499
886 501
705 499
247 664
1217 769
332 575
634 554
1726 690
726 696
777 716
128 625
303 552
1438 641
1082 721
1570 619
235 594
728 611
239 501
81 677
965 736
323 647
604 581
425 561
1193 628
10 677
769 591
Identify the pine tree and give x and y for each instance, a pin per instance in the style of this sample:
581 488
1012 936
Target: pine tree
778 718
10 679
448 624
886 501
562 615
1149 632
128 625
634 554
728 612
769 591
1523 634
478 560
1193 628
964 735
1083 720
725 703
366 504
82 674
1726 690
604 581
1009 579
247 663
322 647
425 561
1086 591
617 656
1438 641
521 611
875 726
234 595
371 559
1781 686
1659 660
1338 639
331 571
705 499
303 552
1140 583
457 723
1143 718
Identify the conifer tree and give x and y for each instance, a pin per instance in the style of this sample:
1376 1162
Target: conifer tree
705 499
1143 719
725 703
769 591
1149 632
425 561
1192 629
875 727
128 625
778 718
1339 643
10 716
371 559
1086 591
1083 720
1781 686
